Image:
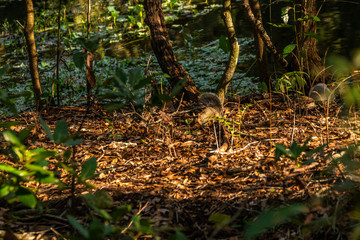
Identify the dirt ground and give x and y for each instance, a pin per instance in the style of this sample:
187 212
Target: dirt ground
167 167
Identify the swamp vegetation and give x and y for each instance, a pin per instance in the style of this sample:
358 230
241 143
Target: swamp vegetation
100 137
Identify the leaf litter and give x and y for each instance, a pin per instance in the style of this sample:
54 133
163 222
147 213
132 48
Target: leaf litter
171 171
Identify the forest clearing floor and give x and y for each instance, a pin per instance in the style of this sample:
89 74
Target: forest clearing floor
167 168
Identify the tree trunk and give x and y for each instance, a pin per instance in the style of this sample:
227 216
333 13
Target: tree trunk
162 48
259 28
234 51
58 53
312 64
90 76
259 45
31 48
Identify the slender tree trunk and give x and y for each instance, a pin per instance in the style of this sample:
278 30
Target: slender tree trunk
234 51
259 44
90 76
58 54
162 48
31 47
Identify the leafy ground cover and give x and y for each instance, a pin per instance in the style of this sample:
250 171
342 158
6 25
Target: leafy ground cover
165 167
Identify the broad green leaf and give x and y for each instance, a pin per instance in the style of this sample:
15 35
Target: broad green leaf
316 19
121 75
288 49
3 70
26 197
4 190
220 220
273 218
79 59
9 169
179 85
46 129
61 131
7 125
177 236
39 156
135 75
89 44
72 142
84 232
224 44
11 137
88 168
120 212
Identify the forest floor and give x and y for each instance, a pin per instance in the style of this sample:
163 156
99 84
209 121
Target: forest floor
166 167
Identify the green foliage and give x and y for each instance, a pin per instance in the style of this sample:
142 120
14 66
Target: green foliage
288 49
272 218
61 136
291 81
297 153
126 88
28 166
220 220
340 66
224 44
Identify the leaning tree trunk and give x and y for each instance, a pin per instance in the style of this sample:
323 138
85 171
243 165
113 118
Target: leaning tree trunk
31 47
259 28
260 49
162 48
234 51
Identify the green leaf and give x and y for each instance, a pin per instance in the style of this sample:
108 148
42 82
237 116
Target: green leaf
61 131
26 197
178 86
46 129
288 49
135 75
120 212
282 25
16 172
11 137
4 190
120 75
177 236
313 35
89 44
3 70
88 168
224 44
316 19
79 59
273 218
72 142
78 226
220 220
7 125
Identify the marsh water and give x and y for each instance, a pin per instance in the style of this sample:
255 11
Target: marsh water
339 28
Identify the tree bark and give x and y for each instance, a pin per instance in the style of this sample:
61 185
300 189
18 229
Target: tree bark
234 51
259 45
162 48
90 76
31 48
312 64
259 28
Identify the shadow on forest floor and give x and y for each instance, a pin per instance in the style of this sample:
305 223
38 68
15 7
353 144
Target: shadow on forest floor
170 166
